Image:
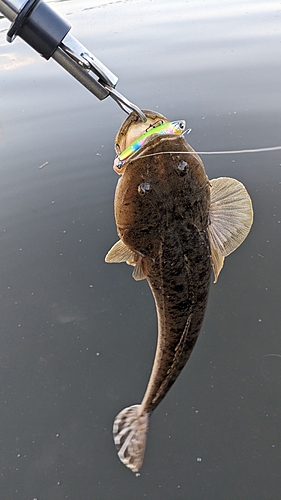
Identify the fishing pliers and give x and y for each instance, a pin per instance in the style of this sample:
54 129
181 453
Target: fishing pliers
48 33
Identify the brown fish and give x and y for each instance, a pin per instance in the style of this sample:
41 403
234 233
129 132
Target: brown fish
175 226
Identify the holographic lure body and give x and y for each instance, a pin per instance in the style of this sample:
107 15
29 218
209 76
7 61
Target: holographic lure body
176 127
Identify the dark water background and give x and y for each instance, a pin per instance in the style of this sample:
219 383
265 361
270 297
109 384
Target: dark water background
77 336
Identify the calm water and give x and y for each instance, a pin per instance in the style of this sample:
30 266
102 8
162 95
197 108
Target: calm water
77 336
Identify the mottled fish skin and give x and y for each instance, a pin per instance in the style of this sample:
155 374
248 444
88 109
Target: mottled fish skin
175 227
167 225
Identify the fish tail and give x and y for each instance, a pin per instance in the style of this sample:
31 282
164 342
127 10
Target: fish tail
129 432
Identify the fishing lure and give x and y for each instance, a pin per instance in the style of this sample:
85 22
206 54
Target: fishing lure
176 127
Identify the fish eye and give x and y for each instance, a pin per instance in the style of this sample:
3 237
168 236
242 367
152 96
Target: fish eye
182 168
143 188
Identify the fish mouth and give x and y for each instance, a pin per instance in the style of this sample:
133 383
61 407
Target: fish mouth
133 127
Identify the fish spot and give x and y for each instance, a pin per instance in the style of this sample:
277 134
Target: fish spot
182 167
143 188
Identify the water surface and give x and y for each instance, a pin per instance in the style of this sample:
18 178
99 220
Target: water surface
77 335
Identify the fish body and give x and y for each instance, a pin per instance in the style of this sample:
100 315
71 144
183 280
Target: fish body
166 128
174 228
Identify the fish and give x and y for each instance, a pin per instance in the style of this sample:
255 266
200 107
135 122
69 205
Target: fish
175 227
175 127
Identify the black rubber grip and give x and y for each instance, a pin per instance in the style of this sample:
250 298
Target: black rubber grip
39 26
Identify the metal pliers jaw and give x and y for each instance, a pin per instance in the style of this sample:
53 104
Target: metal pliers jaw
46 32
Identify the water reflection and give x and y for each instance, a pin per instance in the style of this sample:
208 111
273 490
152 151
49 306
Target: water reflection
13 61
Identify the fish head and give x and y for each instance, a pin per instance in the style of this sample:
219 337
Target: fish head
134 127
161 184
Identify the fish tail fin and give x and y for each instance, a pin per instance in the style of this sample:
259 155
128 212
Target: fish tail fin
129 432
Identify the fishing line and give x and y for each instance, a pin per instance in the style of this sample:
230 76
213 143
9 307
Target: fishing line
237 151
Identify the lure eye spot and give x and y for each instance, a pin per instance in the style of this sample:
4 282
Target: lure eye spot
143 188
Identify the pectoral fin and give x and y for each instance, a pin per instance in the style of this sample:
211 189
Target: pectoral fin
121 253
231 218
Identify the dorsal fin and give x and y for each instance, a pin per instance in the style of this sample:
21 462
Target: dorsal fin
231 218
